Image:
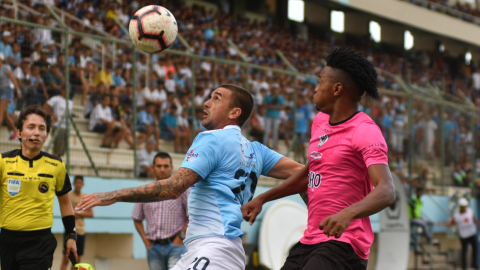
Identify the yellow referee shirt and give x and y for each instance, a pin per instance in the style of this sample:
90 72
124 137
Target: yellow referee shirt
27 189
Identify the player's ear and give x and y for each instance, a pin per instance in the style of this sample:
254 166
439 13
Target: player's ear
235 113
338 88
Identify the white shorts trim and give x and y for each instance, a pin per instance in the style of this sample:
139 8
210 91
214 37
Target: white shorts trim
213 253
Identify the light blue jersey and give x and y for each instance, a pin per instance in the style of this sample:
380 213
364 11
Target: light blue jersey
230 166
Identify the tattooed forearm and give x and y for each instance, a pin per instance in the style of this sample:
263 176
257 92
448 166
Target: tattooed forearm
304 196
167 189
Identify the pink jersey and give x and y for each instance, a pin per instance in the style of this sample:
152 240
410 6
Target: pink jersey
339 156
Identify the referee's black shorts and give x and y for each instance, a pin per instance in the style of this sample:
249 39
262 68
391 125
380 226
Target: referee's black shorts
330 255
28 250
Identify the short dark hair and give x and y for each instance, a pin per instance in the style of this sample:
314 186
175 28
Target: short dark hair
242 99
34 109
105 95
149 104
355 69
173 107
78 177
162 155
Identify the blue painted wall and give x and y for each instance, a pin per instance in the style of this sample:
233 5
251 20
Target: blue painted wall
115 219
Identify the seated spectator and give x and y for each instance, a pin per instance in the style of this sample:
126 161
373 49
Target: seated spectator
54 81
125 112
6 46
94 100
57 107
104 76
22 75
198 121
101 121
153 95
6 91
146 125
169 128
458 176
36 83
415 215
145 158
257 123
184 131
128 96
86 76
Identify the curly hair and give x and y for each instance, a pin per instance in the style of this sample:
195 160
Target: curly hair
355 70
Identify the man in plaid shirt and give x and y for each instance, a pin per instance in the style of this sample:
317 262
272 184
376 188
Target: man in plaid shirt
166 221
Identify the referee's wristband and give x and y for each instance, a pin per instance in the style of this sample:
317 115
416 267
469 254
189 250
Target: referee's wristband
69 224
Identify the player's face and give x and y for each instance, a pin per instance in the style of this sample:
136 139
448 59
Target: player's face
323 97
162 168
34 132
216 109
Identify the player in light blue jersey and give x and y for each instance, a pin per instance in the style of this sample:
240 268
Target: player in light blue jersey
222 167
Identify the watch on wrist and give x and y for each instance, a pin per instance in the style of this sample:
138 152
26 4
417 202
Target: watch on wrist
182 235
71 236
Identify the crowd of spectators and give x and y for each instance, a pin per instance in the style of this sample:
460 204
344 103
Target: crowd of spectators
463 10
163 96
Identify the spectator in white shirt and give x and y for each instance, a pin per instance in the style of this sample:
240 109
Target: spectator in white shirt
153 95
476 81
145 158
22 75
184 131
101 121
57 107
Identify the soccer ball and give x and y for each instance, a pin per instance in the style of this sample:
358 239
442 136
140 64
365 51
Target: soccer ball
153 29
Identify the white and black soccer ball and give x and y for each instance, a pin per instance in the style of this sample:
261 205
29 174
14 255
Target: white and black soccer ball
153 29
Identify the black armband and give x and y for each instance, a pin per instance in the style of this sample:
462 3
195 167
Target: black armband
69 224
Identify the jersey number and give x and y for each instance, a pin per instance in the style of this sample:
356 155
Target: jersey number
240 191
196 263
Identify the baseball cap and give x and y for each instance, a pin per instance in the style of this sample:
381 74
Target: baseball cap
47 51
463 202
6 34
26 60
2 56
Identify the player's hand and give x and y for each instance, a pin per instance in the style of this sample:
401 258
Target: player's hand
96 199
71 246
19 94
148 243
335 225
251 210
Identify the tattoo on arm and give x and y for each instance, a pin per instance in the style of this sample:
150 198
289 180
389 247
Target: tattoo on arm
304 196
167 189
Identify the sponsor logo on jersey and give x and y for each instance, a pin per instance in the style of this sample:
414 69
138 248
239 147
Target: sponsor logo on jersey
43 187
316 155
322 140
13 186
242 149
51 163
314 180
191 156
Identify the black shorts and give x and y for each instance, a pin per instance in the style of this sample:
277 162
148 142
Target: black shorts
27 250
80 244
330 255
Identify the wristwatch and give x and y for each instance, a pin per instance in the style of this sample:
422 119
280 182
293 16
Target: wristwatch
182 235
71 236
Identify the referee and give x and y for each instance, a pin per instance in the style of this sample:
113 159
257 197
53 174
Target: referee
30 180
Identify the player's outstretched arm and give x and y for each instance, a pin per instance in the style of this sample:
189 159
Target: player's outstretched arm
285 168
296 183
382 196
168 189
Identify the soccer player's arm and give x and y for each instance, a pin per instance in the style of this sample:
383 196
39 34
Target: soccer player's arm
297 182
373 149
198 163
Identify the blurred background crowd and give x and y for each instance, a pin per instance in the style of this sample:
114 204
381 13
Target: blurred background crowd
163 97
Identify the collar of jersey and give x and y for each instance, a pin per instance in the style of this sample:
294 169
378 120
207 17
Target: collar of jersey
231 126
39 156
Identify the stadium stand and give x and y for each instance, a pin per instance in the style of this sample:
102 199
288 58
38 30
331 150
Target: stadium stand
166 79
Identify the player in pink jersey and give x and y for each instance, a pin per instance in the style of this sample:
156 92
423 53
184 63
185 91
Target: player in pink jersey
347 157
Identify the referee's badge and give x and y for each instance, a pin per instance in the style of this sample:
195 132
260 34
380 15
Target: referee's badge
43 187
13 186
